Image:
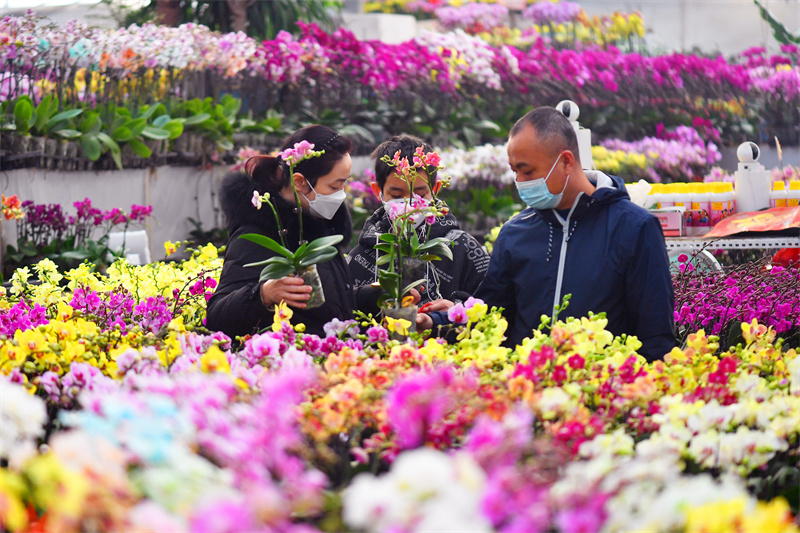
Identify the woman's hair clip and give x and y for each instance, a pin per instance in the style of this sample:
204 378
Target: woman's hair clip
326 143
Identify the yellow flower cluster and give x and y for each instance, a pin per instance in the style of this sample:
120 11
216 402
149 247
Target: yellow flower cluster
736 516
86 82
619 162
69 337
618 28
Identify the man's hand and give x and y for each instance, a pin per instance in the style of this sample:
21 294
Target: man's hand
437 305
424 322
290 289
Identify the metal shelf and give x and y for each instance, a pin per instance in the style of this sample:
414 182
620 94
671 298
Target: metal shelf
731 243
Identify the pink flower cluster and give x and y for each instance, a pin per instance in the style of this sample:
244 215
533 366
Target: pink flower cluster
715 301
416 207
21 317
419 403
473 17
300 151
458 313
552 12
680 155
520 472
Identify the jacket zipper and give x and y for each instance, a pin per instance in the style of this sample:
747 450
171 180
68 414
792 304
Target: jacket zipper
563 255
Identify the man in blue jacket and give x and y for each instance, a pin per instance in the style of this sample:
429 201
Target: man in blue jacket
580 235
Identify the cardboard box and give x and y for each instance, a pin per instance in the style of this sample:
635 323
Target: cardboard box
671 219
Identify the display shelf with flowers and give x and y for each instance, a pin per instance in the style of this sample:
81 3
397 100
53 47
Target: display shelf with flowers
448 71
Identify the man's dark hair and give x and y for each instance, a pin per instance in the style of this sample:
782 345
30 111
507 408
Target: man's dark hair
406 144
552 128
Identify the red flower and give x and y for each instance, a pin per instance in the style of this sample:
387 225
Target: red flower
559 374
576 361
727 365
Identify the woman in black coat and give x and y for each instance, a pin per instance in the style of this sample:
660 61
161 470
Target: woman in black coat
241 305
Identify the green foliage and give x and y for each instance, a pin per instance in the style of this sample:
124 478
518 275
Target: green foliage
779 31
286 262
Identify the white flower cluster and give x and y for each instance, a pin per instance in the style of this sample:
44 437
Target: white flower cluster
22 417
472 58
426 490
793 366
654 475
484 164
762 428
617 443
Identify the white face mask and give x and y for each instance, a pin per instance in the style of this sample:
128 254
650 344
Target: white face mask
325 205
417 219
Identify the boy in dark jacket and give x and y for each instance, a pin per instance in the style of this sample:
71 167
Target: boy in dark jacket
453 279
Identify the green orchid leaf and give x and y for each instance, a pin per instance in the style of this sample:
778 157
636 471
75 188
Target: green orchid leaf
411 286
266 242
277 260
157 134
388 237
388 286
62 117
122 134
196 119
275 271
414 241
301 250
68 134
137 126
159 122
146 111
322 242
78 255
320 256
44 111
23 114
174 127
91 146
139 148
383 260
91 122
113 147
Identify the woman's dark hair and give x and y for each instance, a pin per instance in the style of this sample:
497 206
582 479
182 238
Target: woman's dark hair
271 174
406 145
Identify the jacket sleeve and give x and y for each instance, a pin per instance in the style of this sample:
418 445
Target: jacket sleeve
236 308
649 293
497 287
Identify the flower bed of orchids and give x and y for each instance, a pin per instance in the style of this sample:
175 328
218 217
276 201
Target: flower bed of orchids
121 413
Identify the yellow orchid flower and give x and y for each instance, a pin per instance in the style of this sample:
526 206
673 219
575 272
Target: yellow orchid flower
215 360
398 325
282 314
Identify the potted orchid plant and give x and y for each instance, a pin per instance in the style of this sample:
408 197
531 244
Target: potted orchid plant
406 247
303 261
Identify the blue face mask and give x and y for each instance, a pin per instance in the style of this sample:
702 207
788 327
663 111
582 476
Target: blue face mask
535 193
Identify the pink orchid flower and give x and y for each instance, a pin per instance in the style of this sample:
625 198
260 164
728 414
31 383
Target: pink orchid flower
432 159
